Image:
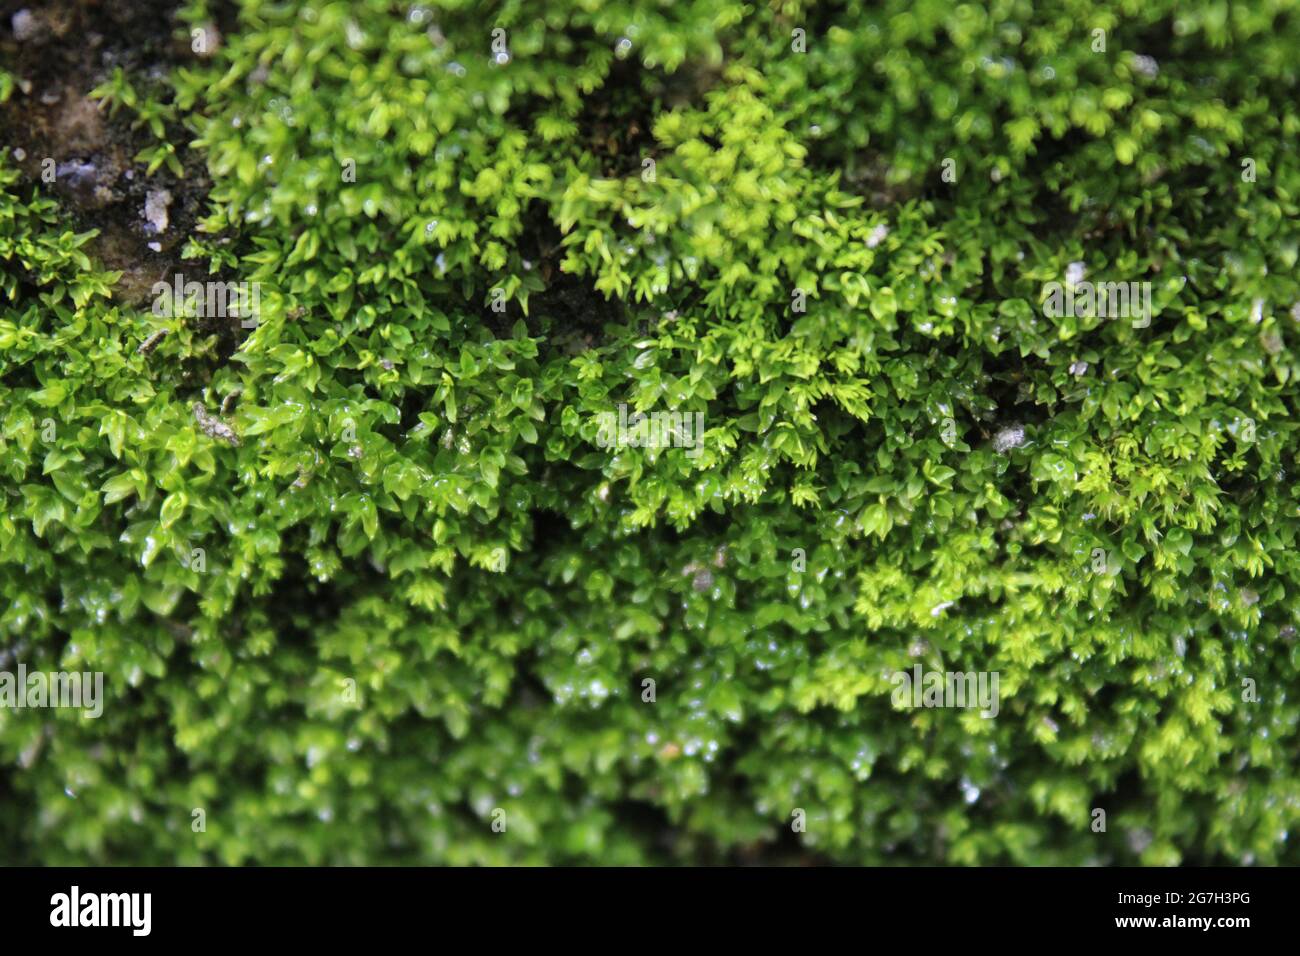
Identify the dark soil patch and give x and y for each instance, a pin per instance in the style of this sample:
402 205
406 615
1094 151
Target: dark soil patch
67 143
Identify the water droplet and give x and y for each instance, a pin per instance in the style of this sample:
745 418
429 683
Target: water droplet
1013 436
1146 65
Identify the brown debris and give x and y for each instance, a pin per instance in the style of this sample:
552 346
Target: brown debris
214 427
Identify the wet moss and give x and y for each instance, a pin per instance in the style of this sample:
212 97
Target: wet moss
367 584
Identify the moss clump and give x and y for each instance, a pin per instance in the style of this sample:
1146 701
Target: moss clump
366 587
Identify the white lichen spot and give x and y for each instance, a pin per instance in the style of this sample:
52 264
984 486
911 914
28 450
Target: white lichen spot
156 202
25 26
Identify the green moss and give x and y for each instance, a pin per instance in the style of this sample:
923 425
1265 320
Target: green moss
424 591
